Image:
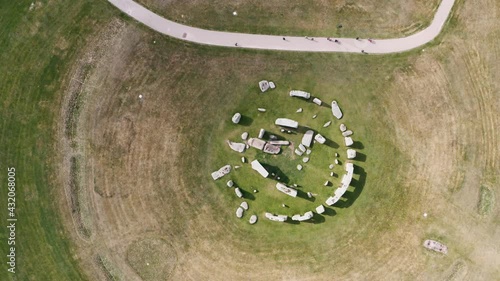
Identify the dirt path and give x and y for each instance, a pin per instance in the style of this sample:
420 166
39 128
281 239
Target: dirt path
291 43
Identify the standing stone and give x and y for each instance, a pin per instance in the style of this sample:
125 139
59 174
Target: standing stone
236 118
244 136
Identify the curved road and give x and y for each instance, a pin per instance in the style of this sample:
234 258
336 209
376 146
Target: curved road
292 43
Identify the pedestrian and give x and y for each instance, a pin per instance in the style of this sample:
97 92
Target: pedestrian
284 39
337 41
371 40
357 38
363 51
236 44
329 39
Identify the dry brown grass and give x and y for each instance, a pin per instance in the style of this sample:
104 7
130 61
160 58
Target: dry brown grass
366 18
147 166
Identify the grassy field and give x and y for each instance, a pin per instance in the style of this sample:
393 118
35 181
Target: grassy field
366 18
426 122
37 46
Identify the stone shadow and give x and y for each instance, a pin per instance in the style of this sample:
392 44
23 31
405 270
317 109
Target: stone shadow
351 196
245 121
357 145
247 194
330 212
303 195
275 173
360 157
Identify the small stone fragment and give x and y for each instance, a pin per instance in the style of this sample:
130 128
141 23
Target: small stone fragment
230 183
315 115
327 124
260 109
299 110
308 151
299 167
347 133
244 136
305 160
243 160
343 127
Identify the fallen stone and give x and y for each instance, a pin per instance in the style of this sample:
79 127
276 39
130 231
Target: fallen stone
236 118
347 133
307 138
309 195
279 142
308 151
273 137
315 115
230 183
299 167
299 110
343 127
236 146
327 124
237 167
302 148
271 149
244 205
435 246
319 138
244 136
305 160
331 166
260 109
253 219
336 110
299 152
221 172
300 94
272 85
256 143
263 85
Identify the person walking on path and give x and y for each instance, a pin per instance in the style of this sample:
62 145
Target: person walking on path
236 44
357 38
284 39
337 41
329 39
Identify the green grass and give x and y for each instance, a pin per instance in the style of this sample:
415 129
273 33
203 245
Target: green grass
37 48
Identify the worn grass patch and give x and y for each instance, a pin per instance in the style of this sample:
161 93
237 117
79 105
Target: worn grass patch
152 259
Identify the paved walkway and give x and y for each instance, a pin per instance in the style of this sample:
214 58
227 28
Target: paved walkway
292 43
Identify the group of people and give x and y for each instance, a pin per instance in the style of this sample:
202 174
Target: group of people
328 38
